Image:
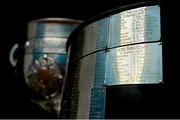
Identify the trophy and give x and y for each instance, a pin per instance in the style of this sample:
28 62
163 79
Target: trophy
45 60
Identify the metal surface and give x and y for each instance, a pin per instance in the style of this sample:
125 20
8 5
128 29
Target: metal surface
134 64
130 37
128 27
135 26
49 35
46 45
118 49
45 60
51 27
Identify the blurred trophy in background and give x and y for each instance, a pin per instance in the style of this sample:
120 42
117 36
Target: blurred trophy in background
45 60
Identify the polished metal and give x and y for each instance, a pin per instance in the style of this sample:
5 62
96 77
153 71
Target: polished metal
45 60
119 49
134 64
128 27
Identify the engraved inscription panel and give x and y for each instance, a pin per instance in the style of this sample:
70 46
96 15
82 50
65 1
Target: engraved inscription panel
92 38
136 25
135 64
140 24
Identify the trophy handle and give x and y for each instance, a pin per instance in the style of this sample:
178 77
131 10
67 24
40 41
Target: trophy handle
13 60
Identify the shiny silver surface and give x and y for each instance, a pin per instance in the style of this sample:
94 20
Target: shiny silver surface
128 27
51 27
45 60
134 64
92 38
49 35
119 49
46 45
135 26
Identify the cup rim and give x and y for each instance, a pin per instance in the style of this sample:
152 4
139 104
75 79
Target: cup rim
56 20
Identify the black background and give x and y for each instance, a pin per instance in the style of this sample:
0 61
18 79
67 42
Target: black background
14 100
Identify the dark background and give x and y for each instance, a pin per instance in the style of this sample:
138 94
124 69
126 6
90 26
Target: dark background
14 100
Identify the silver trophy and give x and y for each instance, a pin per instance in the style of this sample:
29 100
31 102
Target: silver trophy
45 59
119 47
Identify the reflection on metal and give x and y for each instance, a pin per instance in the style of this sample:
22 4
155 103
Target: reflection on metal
45 76
134 26
12 60
46 45
123 48
128 27
45 60
134 64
